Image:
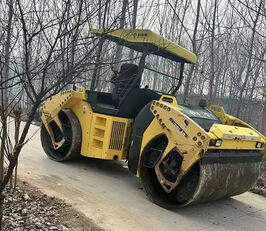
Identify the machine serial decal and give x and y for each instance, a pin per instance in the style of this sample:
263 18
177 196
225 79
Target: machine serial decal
178 127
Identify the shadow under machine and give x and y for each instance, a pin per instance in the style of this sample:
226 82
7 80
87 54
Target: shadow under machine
182 154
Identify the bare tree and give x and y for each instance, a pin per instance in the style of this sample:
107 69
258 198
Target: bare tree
194 49
43 60
46 46
250 54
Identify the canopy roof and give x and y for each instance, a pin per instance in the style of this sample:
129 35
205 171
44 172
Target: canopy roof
149 42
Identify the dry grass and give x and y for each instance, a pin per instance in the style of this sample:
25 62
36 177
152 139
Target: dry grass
260 187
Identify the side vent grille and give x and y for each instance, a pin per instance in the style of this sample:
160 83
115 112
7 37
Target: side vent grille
117 133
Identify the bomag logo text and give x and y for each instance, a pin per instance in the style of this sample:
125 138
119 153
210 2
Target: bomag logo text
178 127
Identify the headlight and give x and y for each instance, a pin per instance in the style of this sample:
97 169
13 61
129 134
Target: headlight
259 145
216 143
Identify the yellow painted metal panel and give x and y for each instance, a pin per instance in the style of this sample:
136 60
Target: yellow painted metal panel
233 132
137 37
237 145
184 136
97 129
107 137
84 113
244 139
65 99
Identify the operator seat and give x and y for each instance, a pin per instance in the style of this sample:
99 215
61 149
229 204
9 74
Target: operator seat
123 80
136 99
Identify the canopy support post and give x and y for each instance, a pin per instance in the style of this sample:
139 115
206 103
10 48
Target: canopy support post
96 66
180 79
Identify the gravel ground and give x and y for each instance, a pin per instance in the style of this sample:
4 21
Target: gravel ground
29 209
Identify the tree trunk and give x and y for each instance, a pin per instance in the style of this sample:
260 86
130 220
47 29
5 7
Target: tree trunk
264 116
119 49
251 47
194 49
96 70
134 24
4 99
212 77
13 161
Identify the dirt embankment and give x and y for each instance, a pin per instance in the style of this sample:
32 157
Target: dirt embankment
29 209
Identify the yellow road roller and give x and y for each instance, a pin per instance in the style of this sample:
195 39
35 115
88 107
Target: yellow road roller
183 154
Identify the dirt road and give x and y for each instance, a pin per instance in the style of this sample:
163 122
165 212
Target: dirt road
106 192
